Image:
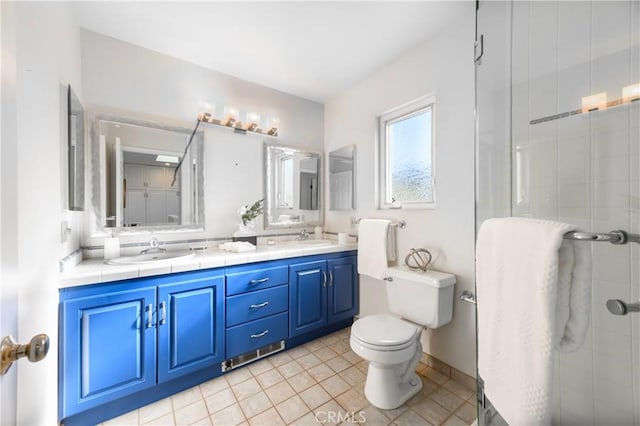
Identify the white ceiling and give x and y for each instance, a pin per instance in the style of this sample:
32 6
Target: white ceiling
310 49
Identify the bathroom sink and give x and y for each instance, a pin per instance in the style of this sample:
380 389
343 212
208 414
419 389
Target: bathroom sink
313 243
145 258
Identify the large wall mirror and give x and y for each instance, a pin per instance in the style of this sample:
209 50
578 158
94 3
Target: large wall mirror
293 190
136 182
342 178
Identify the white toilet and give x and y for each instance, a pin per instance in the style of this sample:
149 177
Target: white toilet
391 344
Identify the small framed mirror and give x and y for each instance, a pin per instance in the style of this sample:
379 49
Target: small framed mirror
342 178
293 187
75 150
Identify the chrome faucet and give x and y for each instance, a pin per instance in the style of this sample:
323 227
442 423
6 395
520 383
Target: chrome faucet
304 235
154 247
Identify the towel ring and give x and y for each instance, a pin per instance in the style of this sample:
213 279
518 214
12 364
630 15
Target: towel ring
418 259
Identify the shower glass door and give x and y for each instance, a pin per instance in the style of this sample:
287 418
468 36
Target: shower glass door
558 137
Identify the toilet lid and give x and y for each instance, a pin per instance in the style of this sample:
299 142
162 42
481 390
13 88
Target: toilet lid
383 330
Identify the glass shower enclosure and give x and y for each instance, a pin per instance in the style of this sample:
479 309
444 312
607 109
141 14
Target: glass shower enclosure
558 137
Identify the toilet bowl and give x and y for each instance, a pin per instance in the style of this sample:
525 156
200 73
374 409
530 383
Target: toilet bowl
392 344
392 347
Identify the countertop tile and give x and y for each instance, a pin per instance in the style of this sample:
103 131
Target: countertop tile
93 271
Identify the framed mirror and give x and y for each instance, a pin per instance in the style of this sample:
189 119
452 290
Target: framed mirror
75 150
293 187
135 179
342 186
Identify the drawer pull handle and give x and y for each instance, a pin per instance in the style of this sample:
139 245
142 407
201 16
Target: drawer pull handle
330 279
264 333
163 309
149 315
259 305
324 279
260 281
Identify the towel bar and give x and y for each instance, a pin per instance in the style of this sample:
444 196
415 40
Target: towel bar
614 237
399 223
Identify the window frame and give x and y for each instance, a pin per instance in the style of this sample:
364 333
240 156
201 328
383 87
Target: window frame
383 120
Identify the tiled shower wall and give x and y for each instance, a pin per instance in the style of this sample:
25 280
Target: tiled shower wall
582 169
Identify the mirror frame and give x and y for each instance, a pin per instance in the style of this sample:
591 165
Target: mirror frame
269 204
353 177
75 151
96 227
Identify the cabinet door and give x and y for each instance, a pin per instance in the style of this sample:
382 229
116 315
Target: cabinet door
173 207
307 297
156 177
136 176
135 212
343 288
109 348
157 207
190 326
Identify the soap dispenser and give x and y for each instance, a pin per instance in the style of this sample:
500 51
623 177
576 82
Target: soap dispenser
111 246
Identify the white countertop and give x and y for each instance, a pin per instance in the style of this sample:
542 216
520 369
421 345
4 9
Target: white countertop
92 271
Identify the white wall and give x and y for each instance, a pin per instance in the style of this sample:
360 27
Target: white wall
46 55
128 78
443 66
8 208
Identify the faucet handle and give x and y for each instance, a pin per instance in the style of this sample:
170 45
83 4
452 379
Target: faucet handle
153 243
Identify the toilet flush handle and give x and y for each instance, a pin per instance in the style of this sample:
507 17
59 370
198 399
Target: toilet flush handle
386 278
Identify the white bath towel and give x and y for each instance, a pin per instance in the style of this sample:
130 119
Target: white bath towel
237 246
372 247
533 293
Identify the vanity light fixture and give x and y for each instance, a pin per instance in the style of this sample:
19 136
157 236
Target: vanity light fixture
251 123
597 102
232 120
631 93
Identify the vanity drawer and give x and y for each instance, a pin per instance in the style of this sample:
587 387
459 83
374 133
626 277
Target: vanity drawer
257 304
256 334
256 278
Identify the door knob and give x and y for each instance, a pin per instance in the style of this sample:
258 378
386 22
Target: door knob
11 351
618 307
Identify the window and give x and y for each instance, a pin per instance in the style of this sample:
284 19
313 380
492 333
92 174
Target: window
406 138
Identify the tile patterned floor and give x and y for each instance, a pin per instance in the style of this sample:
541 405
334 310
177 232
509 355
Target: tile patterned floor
319 382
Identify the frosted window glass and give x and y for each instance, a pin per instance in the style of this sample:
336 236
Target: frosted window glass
409 150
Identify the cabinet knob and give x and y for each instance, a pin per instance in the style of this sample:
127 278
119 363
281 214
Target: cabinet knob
34 351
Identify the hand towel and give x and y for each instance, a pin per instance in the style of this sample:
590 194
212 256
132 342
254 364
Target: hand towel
237 246
372 247
391 244
533 294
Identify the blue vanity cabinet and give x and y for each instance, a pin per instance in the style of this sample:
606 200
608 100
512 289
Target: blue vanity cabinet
257 306
108 347
342 289
307 296
120 338
190 325
322 292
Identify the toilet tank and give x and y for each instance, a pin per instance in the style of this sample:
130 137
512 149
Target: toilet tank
425 298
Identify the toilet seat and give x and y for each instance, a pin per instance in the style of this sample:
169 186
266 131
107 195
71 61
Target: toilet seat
384 332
